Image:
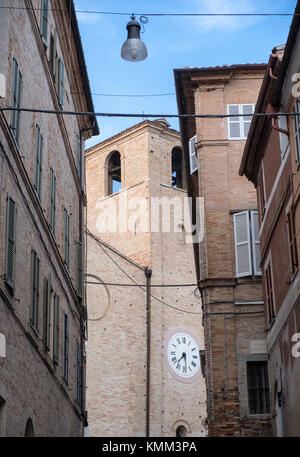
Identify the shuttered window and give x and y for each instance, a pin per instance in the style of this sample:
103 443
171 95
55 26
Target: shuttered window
79 269
10 242
67 237
193 155
247 247
262 193
55 328
47 312
78 154
53 56
78 374
16 100
66 348
269 293
258 388
292 241
52 201
38 161
238 125
44 21
35 284
297 129
61 72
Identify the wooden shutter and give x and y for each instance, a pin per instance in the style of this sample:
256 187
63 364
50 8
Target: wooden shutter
61 82
10 242
66 348
52 201
78 373
193 155
78 154
246 120
242 244
234 124
269 293
35 278
16 99
255 243
67 237
53 56
292 241
79 269
56 329
47 312
38 161
44 21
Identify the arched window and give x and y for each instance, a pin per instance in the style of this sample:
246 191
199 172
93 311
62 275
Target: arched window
29 430
177 168
114 173
180 431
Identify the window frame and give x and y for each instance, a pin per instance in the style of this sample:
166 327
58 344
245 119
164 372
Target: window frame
35 291
261 388
38 162
10 239
56 329
193 154
240 120
65 365
67 238
52 212
269 291
296 119
291 231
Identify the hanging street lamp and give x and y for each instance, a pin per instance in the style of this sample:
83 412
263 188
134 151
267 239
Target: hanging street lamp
134 50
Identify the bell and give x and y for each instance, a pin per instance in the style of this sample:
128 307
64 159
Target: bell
134 50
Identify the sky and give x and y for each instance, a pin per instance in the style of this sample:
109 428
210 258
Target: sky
172 42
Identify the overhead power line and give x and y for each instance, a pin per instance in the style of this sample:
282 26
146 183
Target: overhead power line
143 115
122 13
133 95
139 285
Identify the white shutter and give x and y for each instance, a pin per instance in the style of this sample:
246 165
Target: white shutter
193 155
255 243
283 138
234 125
247 109
242 244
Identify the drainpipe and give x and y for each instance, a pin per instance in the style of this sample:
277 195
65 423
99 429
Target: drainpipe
83 314
148 274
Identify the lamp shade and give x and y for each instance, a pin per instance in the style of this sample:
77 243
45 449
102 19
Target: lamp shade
134 50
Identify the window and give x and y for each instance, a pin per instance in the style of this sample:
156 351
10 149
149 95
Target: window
44 21
283 137
292 241
67 237
238 126
297 129
61 82
16 100
66 348
79 269
10 242
269 293
47 312
78 154
53 56
38 161
56 329
193 155
114 173
262 192
78 374
177 168
258 388
52 201
35 279
247 249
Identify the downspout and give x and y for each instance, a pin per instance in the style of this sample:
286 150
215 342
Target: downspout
83 314
148 274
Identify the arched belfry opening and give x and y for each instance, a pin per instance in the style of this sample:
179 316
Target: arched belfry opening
178 172
114 173
29 430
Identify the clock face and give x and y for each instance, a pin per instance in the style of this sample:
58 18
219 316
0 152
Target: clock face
182 354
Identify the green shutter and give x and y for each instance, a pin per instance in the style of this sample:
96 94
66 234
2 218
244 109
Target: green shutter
66 348
38 161
16 99
79 269
47 312
44 21
52 201
67 237
35 278
61 82
10 242
56 329
78 373
54 57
